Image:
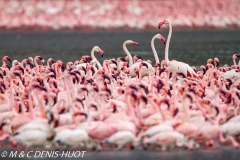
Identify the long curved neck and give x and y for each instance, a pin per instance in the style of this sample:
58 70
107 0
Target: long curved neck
168 41
186 109
154 50
36 64
128 54
234 62
93 57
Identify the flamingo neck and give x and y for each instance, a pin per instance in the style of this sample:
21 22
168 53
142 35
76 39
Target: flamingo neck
48 64
234 62
66 83
36 64
186 110
11 92
93 57
167 45
128 54
154 50
140 74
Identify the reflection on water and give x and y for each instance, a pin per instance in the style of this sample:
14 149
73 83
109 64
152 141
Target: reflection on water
193 47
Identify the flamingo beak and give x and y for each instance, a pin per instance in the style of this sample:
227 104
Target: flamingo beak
135 43
93 71
101 52
21 68
145 64
163 39
160 24
9 59
162 70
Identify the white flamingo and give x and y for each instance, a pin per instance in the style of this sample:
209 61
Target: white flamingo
176 66
94 59
160 37
121 139
233 73
145 70
71 137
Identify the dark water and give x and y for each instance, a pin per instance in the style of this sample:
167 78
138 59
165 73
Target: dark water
192 47
216 153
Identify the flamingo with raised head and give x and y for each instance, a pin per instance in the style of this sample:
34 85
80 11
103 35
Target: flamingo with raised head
94 49
176 66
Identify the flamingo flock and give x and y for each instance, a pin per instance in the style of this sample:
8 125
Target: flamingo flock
108 14
124 103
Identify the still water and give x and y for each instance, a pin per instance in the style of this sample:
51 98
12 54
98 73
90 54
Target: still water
192 47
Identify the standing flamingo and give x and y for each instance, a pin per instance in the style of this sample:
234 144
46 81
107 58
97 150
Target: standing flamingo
94 59
145 70
176 66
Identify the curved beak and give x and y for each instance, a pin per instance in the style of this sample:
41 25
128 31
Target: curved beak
135 43
93 71
101 52
163 39
161 70
9 59
160 24
145 64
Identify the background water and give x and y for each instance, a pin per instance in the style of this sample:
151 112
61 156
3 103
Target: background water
192 47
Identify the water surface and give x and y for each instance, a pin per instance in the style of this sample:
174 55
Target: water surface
192 47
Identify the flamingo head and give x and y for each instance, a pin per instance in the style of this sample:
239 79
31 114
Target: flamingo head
80 116
86 58
132 42
114 62
101 52
98 49
166 21
6 58
210 61
235 56
160 37
15 62
143 64
216 61
51 60
39 58
163 70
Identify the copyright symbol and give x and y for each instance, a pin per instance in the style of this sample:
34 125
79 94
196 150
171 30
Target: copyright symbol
4 154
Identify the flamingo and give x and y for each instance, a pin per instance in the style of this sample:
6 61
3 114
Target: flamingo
71 137
36 133
160 37
176 66
121 139
145 70
94 49
233 73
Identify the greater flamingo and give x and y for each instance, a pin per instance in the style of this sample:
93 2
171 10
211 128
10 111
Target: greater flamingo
176 66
